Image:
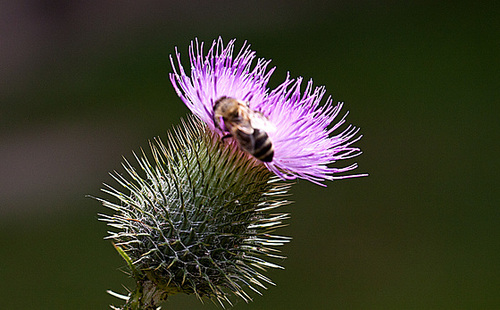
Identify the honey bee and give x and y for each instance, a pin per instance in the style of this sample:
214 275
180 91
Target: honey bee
248 127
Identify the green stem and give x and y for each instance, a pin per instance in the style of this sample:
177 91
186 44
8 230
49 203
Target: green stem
146 296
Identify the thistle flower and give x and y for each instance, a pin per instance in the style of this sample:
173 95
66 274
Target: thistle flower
304 142
197 220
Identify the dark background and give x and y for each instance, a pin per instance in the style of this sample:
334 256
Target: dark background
84 83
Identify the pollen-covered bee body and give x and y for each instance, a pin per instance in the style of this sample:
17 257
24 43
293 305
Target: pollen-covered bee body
248 127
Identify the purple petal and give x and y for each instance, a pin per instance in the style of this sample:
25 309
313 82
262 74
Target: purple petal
304 144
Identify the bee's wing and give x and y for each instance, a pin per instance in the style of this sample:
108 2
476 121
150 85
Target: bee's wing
246 128
261 122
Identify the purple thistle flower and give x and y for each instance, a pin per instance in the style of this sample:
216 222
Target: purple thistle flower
304 146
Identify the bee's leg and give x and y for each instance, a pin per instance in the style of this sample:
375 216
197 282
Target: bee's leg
226 136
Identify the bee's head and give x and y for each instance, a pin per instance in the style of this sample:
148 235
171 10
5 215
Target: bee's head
227 108
218 102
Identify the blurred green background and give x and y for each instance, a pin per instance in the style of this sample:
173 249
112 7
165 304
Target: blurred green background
84 83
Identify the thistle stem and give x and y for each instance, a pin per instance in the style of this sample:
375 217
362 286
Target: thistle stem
147 296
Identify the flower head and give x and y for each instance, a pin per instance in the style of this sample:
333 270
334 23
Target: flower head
304 141
199 219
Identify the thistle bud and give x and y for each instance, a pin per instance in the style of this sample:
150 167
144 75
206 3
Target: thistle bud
197 218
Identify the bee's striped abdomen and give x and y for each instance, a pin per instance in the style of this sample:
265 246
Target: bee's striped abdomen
263 148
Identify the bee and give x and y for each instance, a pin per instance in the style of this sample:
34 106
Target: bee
248 127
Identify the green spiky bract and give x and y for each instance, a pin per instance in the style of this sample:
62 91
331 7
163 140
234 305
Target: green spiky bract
197 219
